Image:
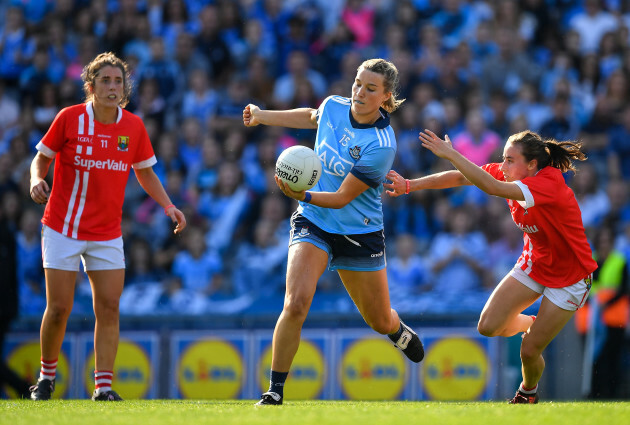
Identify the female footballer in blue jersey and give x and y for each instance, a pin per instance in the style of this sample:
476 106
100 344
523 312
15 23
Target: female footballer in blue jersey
341 220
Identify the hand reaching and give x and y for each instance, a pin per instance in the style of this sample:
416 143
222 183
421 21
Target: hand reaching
398 185
439 147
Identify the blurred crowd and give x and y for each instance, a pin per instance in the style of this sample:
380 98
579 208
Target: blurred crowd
477 70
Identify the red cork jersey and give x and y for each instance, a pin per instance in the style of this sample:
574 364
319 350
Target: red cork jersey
556 252
92 165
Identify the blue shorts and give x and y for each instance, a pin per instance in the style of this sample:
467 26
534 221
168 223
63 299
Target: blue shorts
362 252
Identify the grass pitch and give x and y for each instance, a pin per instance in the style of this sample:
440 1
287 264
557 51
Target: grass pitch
242 412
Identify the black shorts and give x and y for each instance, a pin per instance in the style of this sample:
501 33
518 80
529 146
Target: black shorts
361 252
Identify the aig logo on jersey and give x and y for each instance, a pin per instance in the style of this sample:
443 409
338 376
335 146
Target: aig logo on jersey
123 143
355 152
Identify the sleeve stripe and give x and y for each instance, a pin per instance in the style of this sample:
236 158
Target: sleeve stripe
45 150
529 198
389 140
342 100
380 139
145 164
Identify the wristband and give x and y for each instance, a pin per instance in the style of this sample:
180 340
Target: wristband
167 207
408 184
307 197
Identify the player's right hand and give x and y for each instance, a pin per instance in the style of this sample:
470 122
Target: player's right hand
249 115
40 191
398 185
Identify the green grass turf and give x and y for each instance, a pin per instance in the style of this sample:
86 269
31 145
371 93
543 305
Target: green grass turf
242 412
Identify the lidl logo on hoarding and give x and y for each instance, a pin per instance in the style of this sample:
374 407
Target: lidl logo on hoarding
210 369
372 369
455 368
132 371
25 360
306 377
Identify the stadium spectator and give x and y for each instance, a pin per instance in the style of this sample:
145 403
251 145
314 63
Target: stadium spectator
510 67
30 274
188 57
529 105
16 49
9 303
211 44
556 261
226 206
590 196
457 256
259 264
562 125
610 304
591 24
351 237
9 114
198 272
92 232
618 149
165 71
477 142
407 271
298 69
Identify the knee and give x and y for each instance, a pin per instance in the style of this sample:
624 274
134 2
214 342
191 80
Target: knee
486 328
296 308
107 309
529 351
58 313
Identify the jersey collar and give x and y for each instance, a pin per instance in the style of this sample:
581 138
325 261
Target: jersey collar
90 111
380 123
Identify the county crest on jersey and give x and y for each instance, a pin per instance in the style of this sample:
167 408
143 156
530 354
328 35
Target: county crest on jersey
345 146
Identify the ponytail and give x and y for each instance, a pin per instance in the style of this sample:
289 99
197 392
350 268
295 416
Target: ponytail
548 152
562 154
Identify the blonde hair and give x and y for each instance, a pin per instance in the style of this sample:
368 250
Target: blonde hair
90 72
390 78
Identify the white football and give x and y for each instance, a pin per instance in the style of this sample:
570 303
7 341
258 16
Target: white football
299 167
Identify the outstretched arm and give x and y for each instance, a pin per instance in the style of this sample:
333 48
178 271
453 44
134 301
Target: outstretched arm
475 175
293 118
443 180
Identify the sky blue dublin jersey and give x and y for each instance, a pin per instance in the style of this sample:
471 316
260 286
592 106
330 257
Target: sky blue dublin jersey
345 146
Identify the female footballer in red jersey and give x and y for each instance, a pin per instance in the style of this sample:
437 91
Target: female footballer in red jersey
556 261
94 145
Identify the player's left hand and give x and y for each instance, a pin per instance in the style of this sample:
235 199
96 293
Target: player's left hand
177 217
284 187
398 185
439 147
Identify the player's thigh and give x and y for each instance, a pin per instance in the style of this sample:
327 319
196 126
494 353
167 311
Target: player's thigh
508 299
60 288
107 287
549 322
306 263
369 291
104 263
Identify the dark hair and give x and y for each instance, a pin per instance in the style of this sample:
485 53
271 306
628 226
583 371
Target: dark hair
548 152
390 79
90 72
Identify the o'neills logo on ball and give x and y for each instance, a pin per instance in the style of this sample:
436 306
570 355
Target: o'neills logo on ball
313 177
288 173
